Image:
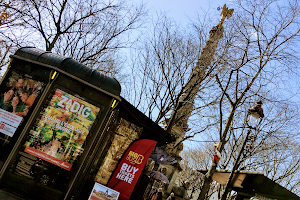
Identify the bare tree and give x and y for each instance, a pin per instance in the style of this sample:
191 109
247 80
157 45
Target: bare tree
89 31
193 159
161 66
260 47
7 44
257 52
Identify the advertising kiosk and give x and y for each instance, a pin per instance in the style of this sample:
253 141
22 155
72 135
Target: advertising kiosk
53 112
64 127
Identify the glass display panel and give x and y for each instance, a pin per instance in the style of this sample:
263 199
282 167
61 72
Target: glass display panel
61 131
16 100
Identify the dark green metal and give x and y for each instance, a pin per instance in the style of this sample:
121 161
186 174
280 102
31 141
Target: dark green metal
70 67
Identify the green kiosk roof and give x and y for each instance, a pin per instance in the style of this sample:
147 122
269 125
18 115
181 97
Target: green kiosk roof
71 67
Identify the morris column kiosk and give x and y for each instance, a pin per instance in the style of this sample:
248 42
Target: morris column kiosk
53 113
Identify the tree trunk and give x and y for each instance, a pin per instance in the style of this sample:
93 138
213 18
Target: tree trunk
207 181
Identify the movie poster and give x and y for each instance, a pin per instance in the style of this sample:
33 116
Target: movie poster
16 100
62 130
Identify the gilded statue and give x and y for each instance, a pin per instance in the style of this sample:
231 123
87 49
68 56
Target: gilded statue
225 13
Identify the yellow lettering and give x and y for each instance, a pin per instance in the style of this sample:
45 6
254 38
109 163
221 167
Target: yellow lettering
135 158
140 159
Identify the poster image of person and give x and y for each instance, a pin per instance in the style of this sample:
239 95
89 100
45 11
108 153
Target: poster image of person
20 83
17 96
5 100
24 90
25 103
14 103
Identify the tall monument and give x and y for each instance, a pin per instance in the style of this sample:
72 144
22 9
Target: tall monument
177 123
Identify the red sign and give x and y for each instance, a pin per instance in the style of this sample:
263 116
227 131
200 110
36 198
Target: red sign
130 168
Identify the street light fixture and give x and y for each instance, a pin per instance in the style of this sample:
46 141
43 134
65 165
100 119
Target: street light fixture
256 112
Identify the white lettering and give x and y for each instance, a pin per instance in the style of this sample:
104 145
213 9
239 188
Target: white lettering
127 173
62 101
135 170
129 169
82 106
86 112
120 176
69 102
75 107
130 180
124 166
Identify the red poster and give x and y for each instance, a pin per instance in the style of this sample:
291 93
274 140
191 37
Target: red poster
131 167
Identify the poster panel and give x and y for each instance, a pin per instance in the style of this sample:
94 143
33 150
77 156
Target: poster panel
62 130
100 192
130 168
16 100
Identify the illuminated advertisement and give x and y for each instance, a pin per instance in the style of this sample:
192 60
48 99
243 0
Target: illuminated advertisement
62 130
16 100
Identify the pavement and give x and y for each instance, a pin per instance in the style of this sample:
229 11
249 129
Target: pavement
7 196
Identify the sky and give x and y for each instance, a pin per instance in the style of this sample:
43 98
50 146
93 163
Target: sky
183 10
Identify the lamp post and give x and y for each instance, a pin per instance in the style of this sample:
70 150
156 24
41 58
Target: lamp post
256 112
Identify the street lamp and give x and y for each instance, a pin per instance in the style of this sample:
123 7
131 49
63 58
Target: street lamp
257 113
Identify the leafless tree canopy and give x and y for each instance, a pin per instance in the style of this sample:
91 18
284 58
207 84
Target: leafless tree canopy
90 31
255 60
260 44
161 66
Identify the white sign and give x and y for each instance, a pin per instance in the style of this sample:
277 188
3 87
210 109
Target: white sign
101 192
9 122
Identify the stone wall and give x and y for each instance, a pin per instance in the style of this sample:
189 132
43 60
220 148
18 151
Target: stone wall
122 137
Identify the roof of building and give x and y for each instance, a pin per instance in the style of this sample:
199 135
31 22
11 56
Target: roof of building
248 184
151 130
72 68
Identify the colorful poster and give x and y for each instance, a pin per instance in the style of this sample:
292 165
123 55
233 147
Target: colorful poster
62 130
100 192
130 168
16 100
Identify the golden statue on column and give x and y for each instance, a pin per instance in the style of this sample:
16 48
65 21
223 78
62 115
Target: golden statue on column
225 13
